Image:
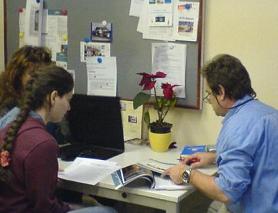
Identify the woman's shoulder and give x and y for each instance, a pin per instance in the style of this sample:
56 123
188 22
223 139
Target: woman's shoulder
34 132
34 128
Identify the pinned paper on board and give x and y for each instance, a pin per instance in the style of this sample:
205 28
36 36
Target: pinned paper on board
169 20
160 13
186 21
135 7
55 34
21 24
171 59
49 28
33 22
91 49
101 76
132 120
101 31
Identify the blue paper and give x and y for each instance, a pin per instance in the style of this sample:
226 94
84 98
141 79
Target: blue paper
189 150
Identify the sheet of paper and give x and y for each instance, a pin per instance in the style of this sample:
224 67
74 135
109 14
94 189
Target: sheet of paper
55 33
102 76
21 25
171 59
167 184
143 17
158 33
150 32
89 49
88 171
186 20
160 13
132 120
33 22
135 7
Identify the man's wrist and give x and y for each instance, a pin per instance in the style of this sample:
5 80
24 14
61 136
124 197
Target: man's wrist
186 175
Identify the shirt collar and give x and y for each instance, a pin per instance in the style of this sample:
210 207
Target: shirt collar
36 116
240 103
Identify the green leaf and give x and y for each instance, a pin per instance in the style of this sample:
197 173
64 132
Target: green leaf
173 102
159 103
168 103
140 99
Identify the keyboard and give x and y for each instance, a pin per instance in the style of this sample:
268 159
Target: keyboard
70 152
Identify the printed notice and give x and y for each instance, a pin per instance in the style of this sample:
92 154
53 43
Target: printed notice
102 76
171 59
186 20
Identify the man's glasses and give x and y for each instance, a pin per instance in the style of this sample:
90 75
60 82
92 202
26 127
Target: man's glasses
206 98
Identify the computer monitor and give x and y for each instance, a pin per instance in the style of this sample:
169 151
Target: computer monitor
95 125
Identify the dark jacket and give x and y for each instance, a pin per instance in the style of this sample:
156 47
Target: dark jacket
34 166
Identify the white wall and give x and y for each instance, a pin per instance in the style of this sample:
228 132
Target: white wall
248 30
2 60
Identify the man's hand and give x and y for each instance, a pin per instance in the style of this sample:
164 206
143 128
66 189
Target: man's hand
175 173
196 160
200 159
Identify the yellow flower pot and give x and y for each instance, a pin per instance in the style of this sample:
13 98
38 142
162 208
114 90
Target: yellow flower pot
160 141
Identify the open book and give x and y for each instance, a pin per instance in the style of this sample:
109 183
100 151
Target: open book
138 175
159 167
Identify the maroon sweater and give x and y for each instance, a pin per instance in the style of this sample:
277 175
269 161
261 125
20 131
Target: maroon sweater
34 166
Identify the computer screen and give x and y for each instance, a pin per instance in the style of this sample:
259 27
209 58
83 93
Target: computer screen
95 121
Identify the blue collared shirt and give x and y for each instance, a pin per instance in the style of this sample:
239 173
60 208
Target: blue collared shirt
8 117
247 150
11 116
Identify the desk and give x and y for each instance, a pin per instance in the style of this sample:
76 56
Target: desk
165 200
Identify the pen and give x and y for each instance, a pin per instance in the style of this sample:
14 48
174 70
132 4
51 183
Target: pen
189 162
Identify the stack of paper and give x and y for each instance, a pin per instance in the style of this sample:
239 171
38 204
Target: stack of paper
88 171
167 19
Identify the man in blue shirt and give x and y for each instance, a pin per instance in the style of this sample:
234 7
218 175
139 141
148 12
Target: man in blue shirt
246 148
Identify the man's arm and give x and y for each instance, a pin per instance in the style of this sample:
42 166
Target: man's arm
202 182
207 185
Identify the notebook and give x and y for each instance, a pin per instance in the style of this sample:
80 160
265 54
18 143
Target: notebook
95 128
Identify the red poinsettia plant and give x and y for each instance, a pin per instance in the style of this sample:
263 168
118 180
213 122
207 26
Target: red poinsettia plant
162 104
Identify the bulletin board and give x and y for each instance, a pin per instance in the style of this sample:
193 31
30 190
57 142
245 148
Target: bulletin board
133 53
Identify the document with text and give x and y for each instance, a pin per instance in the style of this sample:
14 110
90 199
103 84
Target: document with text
88 171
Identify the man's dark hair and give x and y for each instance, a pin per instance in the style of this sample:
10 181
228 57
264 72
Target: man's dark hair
229 72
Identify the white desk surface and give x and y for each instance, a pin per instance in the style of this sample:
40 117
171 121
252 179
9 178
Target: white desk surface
167 200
